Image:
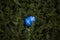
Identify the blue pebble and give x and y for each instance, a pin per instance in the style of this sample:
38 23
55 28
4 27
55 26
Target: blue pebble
28 21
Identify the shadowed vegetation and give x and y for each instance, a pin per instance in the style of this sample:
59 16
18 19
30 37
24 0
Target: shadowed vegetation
13 12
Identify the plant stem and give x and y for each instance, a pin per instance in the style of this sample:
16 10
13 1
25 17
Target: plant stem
29 31
29 34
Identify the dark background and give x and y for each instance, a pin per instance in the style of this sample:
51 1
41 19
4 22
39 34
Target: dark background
13 12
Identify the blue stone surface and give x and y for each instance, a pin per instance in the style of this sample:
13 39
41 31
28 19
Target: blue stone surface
28 20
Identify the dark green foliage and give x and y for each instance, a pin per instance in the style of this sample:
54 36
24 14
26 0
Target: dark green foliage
13 12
